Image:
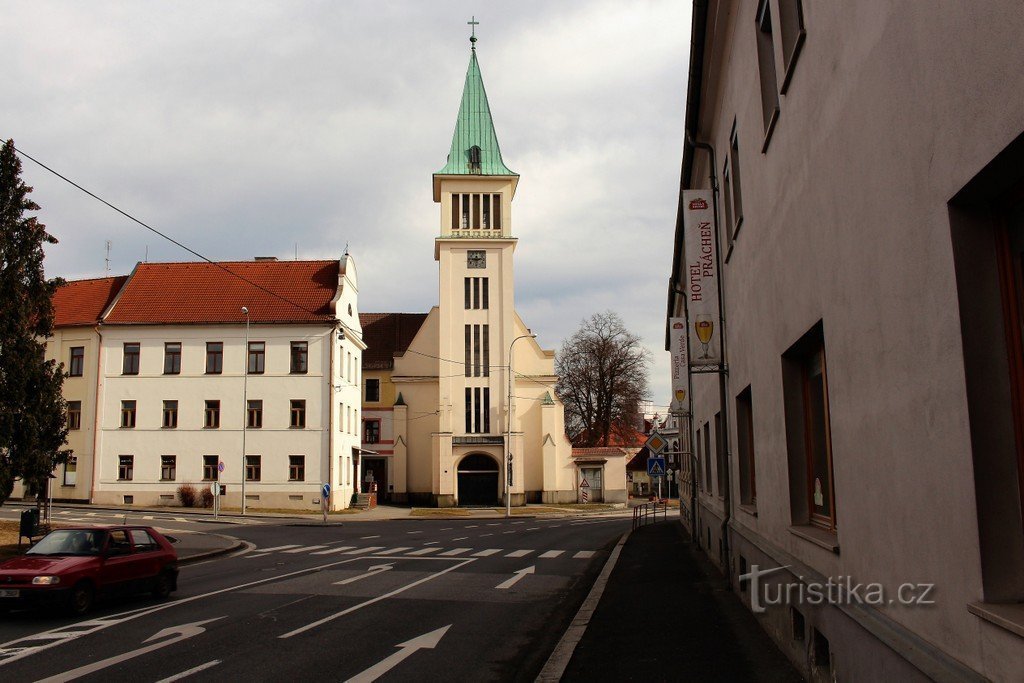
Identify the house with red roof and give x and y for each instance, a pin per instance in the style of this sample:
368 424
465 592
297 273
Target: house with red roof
244 374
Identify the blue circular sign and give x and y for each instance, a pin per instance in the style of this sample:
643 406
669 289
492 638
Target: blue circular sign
327 490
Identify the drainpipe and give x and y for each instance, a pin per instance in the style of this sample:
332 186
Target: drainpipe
332 337
723 373
96 414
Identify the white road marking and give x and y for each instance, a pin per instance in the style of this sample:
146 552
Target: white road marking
375 600
193 670
533 528
331 551
583 555
494 524
392 551
427 641
471 526
454 552
519 553
304 548
363 538
363 551
510 532
460 538
147 517
414 532
447 528
487 553
430 543
276 547
370 571
516 577
178 633
551 553
518 522
423 551
482 535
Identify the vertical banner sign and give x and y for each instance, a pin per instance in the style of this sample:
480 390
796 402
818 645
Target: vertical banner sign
680 365
701 279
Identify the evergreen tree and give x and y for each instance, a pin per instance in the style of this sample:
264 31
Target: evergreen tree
33 429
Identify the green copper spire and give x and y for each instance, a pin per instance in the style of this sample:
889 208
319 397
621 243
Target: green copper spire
475 145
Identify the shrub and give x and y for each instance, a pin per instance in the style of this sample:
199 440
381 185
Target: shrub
206 498
187 495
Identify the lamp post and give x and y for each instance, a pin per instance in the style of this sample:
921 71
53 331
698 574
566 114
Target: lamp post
508 436
245 398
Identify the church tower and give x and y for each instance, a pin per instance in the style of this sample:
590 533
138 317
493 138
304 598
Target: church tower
476 299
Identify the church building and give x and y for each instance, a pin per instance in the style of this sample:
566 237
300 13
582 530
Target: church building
459 403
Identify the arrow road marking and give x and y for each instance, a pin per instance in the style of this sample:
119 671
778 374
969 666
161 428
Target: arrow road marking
428 641
176 633
516 577
376 569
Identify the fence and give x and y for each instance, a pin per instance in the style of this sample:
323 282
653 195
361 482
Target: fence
647 513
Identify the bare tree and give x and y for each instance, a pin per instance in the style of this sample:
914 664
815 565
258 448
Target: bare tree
602 371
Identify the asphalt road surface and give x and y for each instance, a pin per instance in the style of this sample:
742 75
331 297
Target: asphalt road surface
410 600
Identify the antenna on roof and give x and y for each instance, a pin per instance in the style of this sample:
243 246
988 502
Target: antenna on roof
145 259
107 259
296 251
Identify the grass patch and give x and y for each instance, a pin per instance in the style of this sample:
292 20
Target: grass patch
439 512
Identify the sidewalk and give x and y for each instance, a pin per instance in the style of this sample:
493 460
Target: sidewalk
666 616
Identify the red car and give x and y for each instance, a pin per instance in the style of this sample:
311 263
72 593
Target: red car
74 566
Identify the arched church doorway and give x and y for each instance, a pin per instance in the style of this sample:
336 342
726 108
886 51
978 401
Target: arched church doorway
478 480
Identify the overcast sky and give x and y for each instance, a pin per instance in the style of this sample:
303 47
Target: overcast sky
268 128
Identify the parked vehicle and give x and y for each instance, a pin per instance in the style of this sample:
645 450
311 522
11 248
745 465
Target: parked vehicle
72 567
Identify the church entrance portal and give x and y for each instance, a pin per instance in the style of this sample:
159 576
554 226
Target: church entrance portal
478 481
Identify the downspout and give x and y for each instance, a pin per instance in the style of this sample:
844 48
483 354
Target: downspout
332 336
96 414
723 373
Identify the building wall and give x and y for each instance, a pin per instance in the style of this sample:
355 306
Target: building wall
889 113
274 441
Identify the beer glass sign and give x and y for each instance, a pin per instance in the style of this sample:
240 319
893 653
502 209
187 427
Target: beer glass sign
701 275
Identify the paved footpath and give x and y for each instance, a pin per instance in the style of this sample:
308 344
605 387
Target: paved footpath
666 616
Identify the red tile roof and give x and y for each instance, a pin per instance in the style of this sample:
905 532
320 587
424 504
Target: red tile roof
386 334
81 302
200 292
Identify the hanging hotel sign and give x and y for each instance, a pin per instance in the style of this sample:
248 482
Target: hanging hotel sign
701 278
680 365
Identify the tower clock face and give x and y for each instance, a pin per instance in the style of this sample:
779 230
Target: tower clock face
476 259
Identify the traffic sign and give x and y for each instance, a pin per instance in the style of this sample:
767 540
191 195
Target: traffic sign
656 443
326 490
585 484
220 466
656 467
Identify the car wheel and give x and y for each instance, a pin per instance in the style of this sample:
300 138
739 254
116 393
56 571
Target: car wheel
81 598
163 585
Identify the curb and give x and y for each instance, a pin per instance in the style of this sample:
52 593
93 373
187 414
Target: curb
217 552
555 667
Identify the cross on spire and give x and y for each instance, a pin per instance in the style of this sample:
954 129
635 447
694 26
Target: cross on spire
473 23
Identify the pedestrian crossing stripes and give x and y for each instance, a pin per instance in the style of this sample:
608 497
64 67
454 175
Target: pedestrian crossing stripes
435 551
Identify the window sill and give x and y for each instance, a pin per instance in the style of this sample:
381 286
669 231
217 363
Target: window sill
1009 616
749 509
817 536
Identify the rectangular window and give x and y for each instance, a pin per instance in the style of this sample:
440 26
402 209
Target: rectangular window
170 414
487 350
172 358
130 365
496 211
469 410
371 431
484 303
254 414
720 463
745 447
77 365
128 414
487 411
469 351
372 390
791 34
476 211
469 284
214 358
455 212
257 350
125 467
300 357
74 414
298 413
486 222
296 468
168 467
252 467
805 386
766 69
707 458
212 414
71 471
210 470
699 455
731 193
476 350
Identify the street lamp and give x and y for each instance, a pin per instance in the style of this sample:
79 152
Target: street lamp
245 397
508 437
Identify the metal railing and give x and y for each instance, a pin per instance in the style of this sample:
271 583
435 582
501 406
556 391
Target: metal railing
647 513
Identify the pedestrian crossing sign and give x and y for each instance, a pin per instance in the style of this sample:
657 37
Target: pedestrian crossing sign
656 467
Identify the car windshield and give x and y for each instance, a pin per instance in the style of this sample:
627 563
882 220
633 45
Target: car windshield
69 542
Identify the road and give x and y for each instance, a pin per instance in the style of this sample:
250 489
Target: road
465 599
